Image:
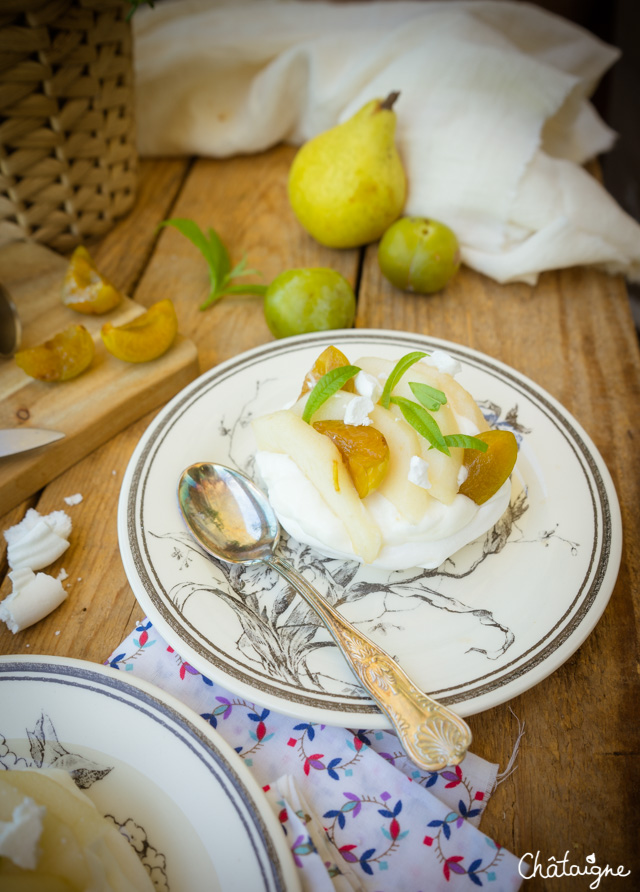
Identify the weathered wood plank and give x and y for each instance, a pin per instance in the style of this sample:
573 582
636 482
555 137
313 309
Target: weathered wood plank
245 201
578 761
100 607
577 776
121 255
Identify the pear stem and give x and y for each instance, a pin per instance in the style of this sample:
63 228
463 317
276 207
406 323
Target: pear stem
388 102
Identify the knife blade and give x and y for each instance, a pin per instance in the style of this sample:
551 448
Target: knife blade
21 439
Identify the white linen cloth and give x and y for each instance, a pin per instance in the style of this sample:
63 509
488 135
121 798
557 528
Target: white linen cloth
358 815
494 121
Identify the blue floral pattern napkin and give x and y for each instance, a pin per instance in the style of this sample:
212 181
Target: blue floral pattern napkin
358 815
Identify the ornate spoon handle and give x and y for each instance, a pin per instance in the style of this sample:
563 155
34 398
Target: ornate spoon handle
431 734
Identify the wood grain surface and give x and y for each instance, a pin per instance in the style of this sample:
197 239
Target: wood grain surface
576 785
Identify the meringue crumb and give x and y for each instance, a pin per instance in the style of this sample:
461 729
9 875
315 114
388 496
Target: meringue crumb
443 362
37 540
33 597
74 500
32 544
419 472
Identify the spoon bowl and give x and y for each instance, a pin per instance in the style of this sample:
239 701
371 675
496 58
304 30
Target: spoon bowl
231 518
227 513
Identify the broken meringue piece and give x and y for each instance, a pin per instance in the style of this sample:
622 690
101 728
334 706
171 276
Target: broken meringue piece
38 540
34 596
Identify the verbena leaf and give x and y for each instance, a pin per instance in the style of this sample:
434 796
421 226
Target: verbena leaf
135 4
326 387
397 372
249 288
219 255
244 272
241 270
428 396
214 297
422 421
463 441
192 231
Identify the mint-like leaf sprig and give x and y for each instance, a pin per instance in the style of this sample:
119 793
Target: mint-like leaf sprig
217 257
422 421
416 414
426 425
464 441
135 4
397 372
329 384
430 397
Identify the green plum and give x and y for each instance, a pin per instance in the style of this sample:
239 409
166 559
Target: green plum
305 300
416 254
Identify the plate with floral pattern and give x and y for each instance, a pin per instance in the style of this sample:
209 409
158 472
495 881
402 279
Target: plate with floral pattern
492 621
177 791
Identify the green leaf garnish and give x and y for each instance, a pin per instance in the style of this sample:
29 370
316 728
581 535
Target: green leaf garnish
397 372
463 441
135 4
422 421
430 397
217 257
326 387
243 289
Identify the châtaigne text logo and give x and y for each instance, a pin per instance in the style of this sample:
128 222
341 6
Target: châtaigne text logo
561 867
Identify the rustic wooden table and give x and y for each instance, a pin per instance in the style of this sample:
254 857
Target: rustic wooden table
576 787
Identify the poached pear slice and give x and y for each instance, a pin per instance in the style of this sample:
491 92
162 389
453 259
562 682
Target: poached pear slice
320 461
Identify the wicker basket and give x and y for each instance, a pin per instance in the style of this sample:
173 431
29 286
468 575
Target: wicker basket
68 160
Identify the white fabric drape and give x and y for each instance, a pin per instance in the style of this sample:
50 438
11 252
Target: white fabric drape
494 120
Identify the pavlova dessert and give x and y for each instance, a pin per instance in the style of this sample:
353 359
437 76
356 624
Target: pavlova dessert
385 463
53 838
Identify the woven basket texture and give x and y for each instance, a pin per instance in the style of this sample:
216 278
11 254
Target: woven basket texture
68 159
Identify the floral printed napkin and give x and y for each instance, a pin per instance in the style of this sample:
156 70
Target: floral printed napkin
357 813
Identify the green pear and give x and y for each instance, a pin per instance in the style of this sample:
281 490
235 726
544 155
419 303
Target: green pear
347 185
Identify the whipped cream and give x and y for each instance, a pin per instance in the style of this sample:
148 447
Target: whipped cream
443 530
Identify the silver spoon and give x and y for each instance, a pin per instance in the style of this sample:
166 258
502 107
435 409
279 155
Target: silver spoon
232 520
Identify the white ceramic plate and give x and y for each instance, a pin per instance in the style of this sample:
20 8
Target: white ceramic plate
152 763
490 623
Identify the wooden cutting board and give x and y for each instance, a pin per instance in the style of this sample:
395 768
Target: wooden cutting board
89 409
